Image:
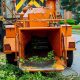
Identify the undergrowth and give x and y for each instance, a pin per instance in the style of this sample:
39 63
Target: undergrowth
11 72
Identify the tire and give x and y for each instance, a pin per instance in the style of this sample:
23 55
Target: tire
70 58
10 59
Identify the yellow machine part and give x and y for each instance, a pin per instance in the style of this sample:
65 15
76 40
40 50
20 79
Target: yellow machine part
20 4
30 2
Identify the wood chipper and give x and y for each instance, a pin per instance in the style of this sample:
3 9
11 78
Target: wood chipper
36 33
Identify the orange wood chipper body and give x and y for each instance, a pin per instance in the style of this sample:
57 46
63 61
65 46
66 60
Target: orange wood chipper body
38 24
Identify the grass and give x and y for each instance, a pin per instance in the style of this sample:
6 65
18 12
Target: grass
76 31
75 26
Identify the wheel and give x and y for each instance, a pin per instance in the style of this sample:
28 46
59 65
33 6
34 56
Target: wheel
70 58
10 59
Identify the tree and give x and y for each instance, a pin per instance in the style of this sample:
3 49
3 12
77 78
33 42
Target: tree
69 4
72 5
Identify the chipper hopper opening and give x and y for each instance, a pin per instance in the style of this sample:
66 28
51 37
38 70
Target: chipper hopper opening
38 45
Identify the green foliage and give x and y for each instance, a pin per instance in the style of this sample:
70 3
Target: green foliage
50 56
76 26
69 4
61 22
21 60
11 72
55 75
72 5
71 21
77 18
34 76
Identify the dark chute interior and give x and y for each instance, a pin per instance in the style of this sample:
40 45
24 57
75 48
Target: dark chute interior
40 42
37 46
